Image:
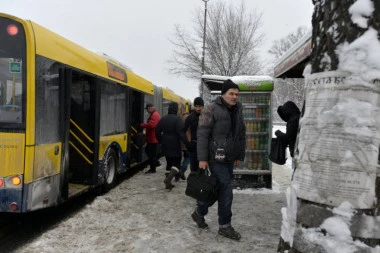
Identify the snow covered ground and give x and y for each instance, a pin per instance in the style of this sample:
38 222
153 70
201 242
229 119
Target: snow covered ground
139 215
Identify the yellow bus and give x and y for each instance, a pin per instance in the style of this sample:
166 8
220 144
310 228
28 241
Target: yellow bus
67 117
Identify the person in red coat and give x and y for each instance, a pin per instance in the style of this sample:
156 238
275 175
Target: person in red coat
151 147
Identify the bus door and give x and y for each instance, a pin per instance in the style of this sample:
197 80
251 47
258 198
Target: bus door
82 129
136 115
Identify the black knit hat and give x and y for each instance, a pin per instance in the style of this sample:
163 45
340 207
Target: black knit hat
148 105
228 84
198 101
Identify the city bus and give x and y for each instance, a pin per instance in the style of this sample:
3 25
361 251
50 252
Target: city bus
69 117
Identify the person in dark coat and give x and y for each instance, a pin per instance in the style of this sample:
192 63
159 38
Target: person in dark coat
220 147
151 146
169 134
185 152
191 123
289 113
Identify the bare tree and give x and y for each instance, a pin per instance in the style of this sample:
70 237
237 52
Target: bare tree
280 47
232 41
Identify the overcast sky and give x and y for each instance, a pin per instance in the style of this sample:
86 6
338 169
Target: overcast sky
137 32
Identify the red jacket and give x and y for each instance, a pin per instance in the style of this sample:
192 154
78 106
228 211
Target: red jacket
150 126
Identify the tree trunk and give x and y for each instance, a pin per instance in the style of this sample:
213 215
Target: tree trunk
323 180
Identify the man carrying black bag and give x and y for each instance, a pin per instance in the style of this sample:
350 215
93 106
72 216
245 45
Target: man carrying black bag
220 147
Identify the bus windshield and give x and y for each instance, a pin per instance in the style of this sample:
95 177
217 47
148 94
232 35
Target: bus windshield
12 77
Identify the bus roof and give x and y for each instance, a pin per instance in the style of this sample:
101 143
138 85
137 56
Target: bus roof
58 48
170 95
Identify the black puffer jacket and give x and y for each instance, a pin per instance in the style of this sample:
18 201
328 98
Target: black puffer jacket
289 113
192 123
223 126
169 132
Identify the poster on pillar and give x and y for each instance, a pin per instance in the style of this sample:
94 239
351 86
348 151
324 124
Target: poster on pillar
338 144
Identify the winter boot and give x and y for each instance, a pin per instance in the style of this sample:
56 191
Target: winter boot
182 176
200 220
168 186
168 180
229 232
150 171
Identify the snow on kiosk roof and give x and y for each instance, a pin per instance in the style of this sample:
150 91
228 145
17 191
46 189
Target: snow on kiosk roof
245 83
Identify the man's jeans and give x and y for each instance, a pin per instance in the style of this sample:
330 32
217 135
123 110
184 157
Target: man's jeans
185 161
223 173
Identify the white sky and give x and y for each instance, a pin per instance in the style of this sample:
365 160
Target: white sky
137 32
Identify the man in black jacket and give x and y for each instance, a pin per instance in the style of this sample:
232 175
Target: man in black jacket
169 134
220 147
192 123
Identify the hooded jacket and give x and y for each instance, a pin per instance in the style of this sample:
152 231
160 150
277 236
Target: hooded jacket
221 126
289 113
169 132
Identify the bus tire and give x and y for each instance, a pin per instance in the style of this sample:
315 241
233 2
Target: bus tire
110 170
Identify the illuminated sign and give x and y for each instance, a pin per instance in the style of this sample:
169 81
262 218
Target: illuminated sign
116 72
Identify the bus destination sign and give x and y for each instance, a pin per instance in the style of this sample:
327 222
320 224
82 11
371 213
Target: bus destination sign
116 72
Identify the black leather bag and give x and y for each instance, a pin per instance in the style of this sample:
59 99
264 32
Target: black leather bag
202 187
277 151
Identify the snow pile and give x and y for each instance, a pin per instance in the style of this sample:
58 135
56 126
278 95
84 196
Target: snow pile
360 11
289 215
337 238
361 57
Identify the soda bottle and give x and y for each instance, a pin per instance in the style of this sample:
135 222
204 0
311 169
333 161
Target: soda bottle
259 162
250 162
254 165
257 143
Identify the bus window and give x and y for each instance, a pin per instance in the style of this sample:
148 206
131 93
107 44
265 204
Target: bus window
47 100
112 108
12 61
10 101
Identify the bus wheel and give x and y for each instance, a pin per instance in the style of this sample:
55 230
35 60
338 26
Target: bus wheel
110 170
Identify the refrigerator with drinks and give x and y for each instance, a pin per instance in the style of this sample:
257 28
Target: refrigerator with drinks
256 97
